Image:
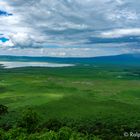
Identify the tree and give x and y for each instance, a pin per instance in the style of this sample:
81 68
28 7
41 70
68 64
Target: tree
3 110
30 120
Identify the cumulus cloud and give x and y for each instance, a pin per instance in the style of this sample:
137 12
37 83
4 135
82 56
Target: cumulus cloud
21 39
121 32
68 23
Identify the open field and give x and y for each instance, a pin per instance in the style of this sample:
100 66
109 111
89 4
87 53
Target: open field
109 94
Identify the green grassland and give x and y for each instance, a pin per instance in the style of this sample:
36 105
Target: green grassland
110 94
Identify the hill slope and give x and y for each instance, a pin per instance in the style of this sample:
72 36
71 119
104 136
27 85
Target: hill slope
128 59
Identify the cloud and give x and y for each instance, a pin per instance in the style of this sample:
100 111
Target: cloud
121 33
64 52
21 39
70 23
121 15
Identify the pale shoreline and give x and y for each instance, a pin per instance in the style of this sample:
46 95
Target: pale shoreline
18 64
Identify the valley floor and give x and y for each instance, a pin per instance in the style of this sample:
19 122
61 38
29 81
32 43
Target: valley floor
85 95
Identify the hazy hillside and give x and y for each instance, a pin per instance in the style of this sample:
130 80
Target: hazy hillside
128 59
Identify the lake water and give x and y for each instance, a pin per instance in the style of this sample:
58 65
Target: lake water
17 64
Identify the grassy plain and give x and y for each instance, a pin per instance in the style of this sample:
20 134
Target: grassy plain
107 93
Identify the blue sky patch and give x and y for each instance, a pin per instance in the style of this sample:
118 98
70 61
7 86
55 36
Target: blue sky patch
3 39
4 13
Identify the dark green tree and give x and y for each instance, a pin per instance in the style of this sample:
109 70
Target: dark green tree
30 120
3 110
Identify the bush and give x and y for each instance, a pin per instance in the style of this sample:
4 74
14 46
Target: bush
53 124
2 134
65 133
3 110
15 134
51 135
30 120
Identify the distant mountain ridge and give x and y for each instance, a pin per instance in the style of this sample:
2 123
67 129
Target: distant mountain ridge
117 59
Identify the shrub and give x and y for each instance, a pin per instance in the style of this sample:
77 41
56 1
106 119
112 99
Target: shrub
2 134
3 110
16 134
30 120
53 124
51 135
65 133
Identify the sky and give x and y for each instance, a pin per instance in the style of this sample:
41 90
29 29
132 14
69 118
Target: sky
69 28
